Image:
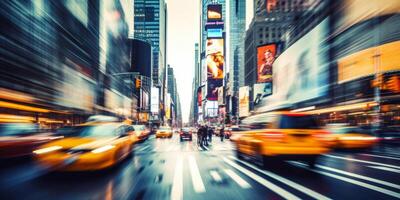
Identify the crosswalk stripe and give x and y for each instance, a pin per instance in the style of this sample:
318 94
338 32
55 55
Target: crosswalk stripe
378 156
359 176
177 148
361 161
177 185
349 180
241 182
386 169
288 182
170 148
215 176
281 192
196 178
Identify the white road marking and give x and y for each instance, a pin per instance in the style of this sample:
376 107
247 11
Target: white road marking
217 178
359 176
281 192
378 156
170 148
386 169
349 180
177 185
241 182
361 161
177 148
198 185
288 182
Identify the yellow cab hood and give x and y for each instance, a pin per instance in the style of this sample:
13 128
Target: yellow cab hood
82 143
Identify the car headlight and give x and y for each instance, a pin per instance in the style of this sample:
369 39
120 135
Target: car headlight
103 149
47 149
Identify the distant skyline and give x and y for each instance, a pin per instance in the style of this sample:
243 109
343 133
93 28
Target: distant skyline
182 33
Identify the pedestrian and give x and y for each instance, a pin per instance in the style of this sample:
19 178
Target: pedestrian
210 133
205 132
222 134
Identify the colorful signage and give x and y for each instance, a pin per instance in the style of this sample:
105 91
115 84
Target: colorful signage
265 58
214 12
215 58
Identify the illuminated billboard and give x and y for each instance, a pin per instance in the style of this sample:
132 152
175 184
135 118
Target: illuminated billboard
199 96
214 12
214 33
212 89
244 101
154 100
265 58
301 72
215 58
261 91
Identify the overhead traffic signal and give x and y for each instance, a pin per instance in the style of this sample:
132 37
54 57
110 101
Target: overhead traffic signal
138 83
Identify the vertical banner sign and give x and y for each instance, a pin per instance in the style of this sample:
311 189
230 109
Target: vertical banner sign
244 101
155 100
215 58
265 58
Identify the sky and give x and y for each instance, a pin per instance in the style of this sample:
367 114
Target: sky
183 32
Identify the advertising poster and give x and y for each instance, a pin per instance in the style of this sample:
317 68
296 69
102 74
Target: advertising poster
244 101
199 96
261 91
214 33
154 100
212 89
221 96
301 72
265 58
215 58
214 12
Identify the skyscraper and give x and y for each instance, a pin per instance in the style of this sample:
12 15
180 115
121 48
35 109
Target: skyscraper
237 23
150 25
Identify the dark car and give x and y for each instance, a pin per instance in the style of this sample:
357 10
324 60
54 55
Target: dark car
186 134
20 139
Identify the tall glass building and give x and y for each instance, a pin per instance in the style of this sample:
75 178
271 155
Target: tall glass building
148 26
237 23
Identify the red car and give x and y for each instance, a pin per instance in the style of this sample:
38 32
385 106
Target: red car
20 139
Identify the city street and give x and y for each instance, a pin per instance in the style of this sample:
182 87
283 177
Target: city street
170 169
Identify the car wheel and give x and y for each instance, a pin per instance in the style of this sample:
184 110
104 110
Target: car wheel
312 162
239 154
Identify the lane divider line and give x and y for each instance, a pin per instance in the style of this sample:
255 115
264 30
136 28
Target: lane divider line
349 180
214 174
198 185
241 182
177 185
278 190
361 161
288 182
379 156
386 169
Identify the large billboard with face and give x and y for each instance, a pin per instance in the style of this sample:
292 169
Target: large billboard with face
215 58
265 58
301 72
212 89
214 12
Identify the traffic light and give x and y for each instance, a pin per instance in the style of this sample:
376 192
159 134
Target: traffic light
138 83
393 84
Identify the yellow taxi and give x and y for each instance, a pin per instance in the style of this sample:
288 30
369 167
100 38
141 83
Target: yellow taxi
283 135
350 137
90 146
164 132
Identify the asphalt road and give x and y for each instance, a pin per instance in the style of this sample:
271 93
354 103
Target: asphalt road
170 169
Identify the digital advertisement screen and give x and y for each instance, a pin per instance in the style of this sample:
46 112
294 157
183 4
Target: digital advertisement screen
215 58
199 96
214 12
244 101
214 33
265 58
261 91
212 89
154 100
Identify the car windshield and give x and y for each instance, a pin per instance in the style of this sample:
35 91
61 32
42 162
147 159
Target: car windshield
18 129
344 130
165 128
298 122
107 130
186 129
138 127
